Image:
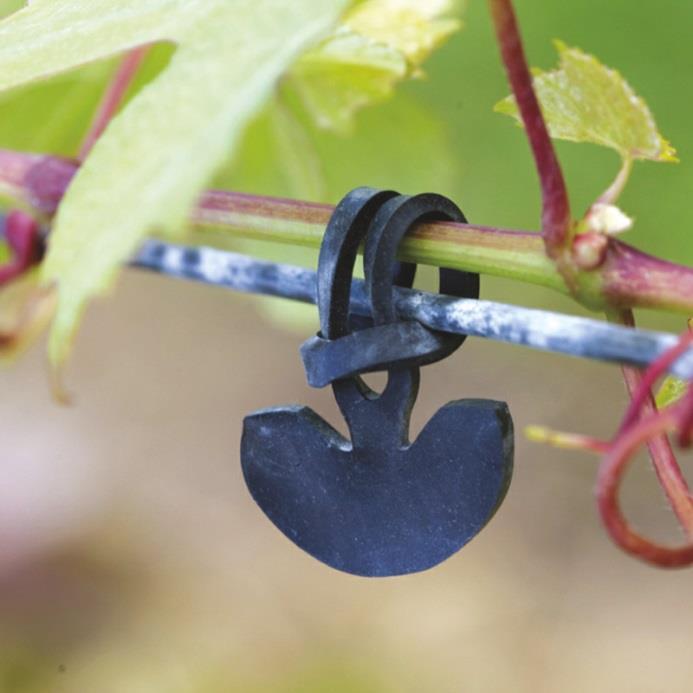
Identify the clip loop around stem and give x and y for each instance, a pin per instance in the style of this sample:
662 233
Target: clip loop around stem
393 342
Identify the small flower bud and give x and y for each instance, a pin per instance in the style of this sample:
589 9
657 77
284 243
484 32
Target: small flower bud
589 250
608 219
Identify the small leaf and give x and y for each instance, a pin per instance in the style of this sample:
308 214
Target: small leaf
585 101
380 43
672 390
157 155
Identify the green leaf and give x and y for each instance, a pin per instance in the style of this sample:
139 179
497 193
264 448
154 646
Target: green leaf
672 389
380 43
411 27
156 156
52 116
585 101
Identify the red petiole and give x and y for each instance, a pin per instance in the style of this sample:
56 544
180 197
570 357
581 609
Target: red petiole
637 426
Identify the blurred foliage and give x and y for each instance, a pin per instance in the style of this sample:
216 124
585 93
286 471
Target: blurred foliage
379 43
150 164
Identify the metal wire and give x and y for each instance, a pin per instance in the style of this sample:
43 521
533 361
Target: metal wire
537 329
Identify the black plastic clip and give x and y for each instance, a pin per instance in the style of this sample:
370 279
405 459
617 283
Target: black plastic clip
334 353
376 504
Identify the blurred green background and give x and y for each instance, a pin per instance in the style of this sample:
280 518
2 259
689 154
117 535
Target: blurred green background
131 556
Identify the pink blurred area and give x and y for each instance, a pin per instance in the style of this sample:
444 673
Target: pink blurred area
133 559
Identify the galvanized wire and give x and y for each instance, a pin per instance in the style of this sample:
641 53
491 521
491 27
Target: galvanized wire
537 329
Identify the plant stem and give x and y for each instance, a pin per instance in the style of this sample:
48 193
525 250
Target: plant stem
555 205
627 278
500 252
112 97
630 278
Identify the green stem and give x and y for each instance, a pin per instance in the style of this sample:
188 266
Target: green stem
499 252
627 278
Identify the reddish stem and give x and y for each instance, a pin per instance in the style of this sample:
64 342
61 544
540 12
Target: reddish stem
555 204
611 471
112 98
22 236
661 454
627 273
647 381
49 177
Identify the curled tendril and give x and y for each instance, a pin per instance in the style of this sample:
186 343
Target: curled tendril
611 472
636 430
641 425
